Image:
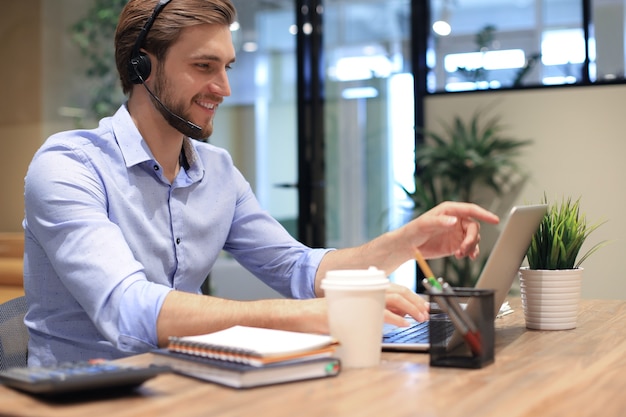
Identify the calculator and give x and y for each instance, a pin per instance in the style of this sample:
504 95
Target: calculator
93 376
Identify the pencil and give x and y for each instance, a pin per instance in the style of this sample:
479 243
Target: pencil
428 273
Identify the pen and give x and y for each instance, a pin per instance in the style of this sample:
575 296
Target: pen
472 338
450 305
454 303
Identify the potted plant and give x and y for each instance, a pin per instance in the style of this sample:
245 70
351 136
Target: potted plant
469 160
551 284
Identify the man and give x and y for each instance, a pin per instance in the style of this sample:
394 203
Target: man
124 222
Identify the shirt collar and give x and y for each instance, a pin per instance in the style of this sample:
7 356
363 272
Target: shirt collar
135 150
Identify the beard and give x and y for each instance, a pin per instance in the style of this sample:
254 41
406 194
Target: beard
170 109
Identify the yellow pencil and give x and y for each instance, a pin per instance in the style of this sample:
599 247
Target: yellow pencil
428 273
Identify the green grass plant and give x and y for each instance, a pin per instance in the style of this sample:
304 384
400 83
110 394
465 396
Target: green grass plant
558 240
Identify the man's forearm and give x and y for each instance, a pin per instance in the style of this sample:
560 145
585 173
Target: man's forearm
386 252
185 314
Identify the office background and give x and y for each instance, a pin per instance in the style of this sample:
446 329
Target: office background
577 132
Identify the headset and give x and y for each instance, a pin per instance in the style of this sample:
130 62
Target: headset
140 67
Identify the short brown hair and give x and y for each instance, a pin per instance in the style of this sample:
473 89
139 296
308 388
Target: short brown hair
176 16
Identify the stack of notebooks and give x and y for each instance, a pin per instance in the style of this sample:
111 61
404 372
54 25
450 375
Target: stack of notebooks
245 357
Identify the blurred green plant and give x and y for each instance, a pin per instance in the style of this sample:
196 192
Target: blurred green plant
94 35
457 165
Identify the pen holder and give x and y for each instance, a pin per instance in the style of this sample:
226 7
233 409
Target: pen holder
456 345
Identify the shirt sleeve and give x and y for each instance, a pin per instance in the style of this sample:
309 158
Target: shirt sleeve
66 214
263 246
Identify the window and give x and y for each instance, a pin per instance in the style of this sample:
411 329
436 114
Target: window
492 44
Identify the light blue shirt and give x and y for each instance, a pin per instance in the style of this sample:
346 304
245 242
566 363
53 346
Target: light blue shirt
108 236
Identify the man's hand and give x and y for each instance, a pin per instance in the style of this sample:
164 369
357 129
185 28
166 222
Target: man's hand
450 228
401 301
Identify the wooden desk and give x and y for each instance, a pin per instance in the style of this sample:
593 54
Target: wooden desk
579 372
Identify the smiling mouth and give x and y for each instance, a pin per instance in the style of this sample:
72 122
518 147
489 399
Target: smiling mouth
208 106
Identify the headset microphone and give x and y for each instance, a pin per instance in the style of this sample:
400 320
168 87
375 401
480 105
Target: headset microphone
194 130
140 67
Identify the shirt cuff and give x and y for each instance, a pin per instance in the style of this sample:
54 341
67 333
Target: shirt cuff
138 317
303 281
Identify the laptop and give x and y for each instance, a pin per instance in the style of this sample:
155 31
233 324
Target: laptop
498 274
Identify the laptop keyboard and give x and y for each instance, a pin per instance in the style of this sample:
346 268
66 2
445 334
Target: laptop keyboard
417 333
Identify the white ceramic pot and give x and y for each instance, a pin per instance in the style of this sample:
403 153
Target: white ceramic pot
550 298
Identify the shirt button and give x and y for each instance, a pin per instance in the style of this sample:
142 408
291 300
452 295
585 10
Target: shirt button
156 167
177 240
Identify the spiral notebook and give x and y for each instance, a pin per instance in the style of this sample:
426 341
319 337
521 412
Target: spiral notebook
239 375
255 346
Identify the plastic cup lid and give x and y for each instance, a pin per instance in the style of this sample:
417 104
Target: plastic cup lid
349 278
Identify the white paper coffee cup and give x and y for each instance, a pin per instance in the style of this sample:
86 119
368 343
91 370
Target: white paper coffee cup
356 305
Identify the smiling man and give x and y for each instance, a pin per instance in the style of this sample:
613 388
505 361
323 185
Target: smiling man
124 222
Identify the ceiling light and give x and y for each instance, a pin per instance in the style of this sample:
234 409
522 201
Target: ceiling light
442 28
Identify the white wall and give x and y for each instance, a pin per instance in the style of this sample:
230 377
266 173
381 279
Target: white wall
578 150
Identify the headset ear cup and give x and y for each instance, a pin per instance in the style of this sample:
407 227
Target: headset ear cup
140 67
